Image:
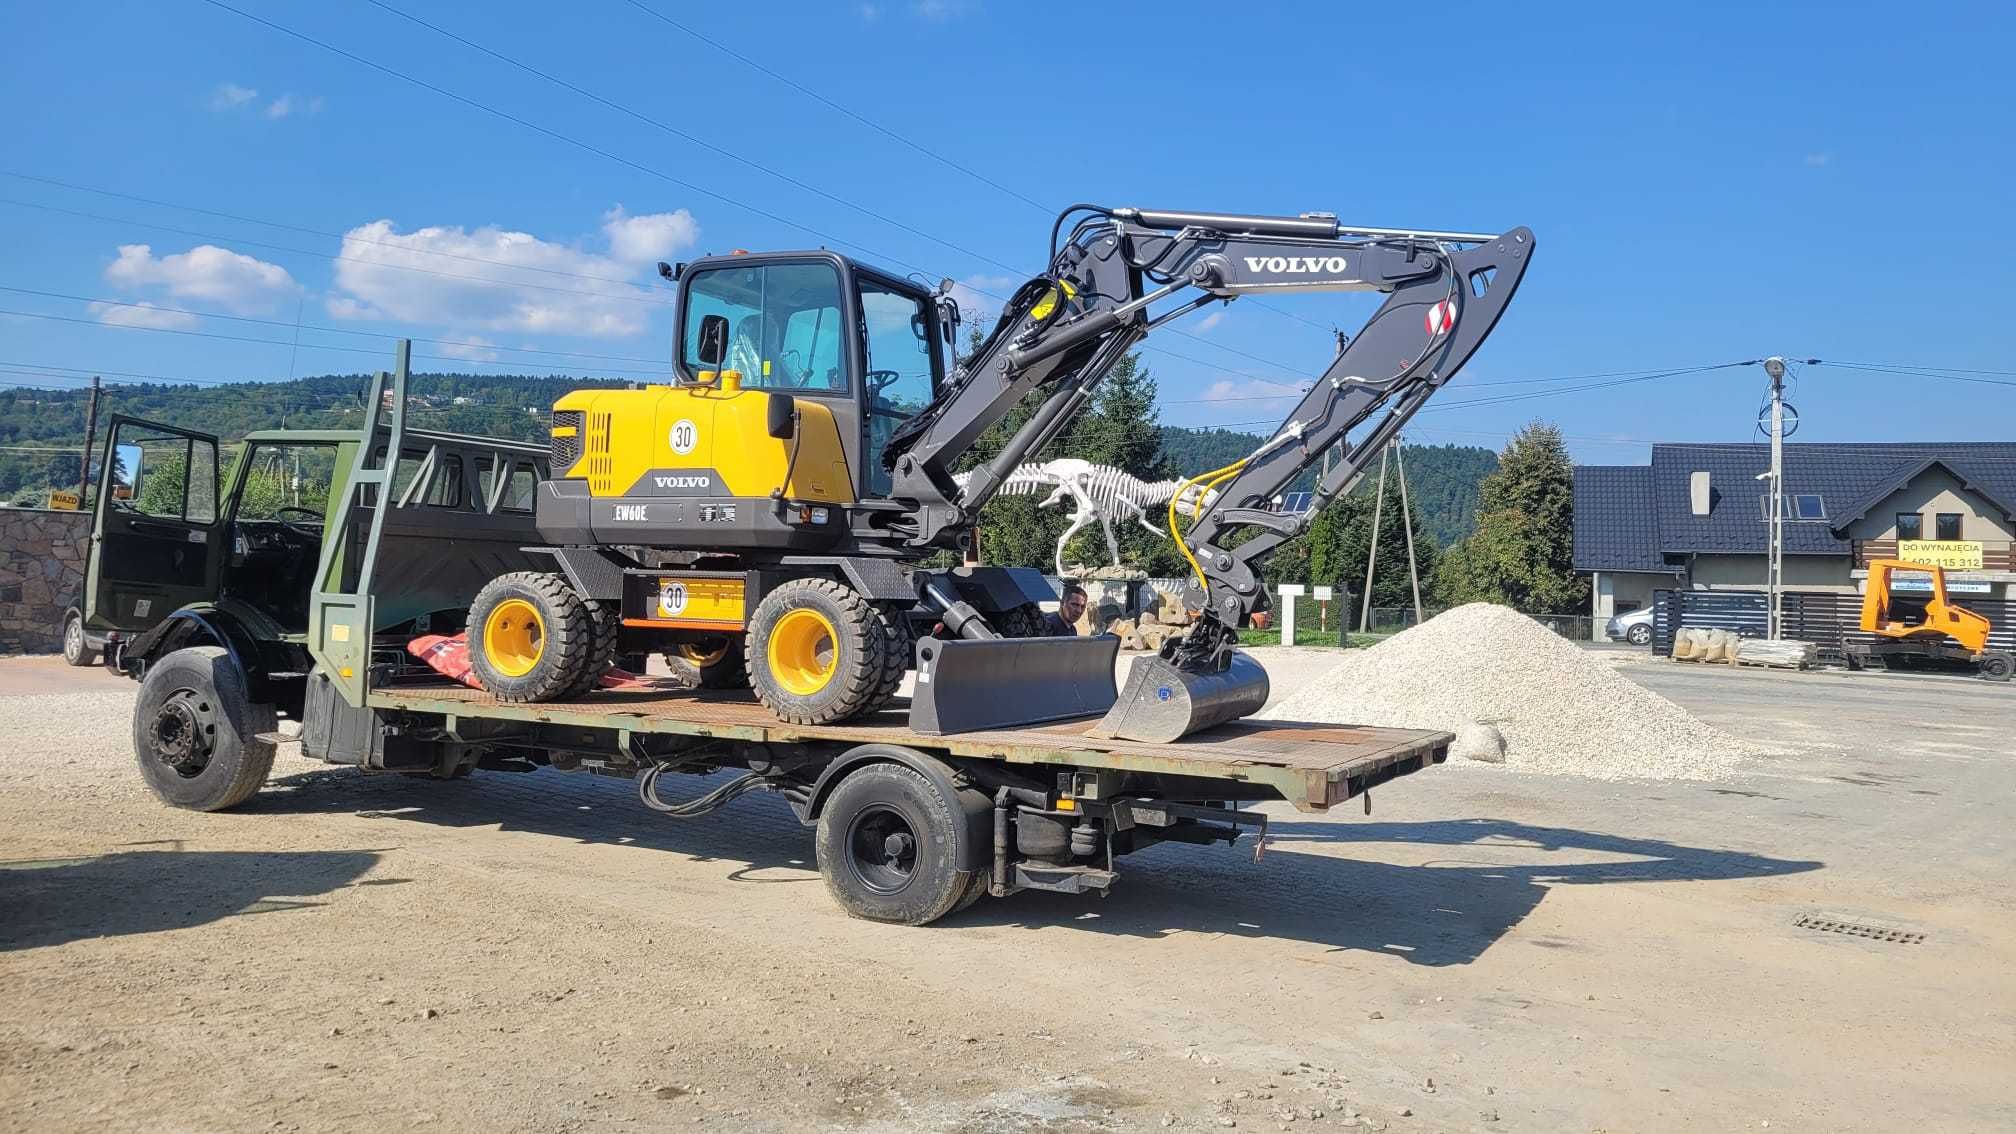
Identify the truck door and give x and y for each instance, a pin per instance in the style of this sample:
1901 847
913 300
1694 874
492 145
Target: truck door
154 533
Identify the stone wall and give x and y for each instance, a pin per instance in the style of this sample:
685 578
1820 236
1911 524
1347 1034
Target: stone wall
41 574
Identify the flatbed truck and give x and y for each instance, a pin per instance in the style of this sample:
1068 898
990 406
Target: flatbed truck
909 827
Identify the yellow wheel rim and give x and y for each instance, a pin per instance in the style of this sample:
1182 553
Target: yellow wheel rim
804 652
702 656
513 637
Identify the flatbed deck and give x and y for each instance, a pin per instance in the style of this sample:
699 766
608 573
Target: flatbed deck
1313 766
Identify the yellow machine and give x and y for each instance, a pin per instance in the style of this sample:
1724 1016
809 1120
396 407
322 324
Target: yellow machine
782 515
1913 626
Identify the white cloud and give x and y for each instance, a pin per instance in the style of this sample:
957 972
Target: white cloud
288 104
650 237
1210 321
870 12
978 309
232 280
475 348
231 96
499 280
940 11
1819 158
142 315
1252 389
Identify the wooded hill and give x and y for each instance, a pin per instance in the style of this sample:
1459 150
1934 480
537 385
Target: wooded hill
1442 479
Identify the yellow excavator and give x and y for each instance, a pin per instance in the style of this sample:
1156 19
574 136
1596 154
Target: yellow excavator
1917 626
770 514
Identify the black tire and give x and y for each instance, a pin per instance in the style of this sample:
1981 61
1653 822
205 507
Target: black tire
540 660
886 844
1638 635
896 656
76 651
715 663
604 621
818 652
197 734
1025 621
1997 666
976 889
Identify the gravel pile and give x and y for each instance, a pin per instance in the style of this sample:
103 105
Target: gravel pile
1560 709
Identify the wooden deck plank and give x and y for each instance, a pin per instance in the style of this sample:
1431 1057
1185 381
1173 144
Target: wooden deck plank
1237 749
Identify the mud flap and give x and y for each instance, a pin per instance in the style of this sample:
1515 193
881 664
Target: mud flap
964 685
1163 703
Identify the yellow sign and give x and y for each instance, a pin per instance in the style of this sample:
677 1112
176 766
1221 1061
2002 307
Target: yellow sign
1955 554
65 501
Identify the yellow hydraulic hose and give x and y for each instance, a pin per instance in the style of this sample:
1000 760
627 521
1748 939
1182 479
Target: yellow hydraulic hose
1212 479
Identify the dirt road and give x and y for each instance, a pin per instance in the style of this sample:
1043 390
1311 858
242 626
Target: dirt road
1486 951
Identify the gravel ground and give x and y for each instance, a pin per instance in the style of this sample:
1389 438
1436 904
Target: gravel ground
1562 709
1486 952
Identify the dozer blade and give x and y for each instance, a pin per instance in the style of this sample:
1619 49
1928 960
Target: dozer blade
964 685
1163 703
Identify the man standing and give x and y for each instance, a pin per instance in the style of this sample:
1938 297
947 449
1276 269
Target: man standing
1063 622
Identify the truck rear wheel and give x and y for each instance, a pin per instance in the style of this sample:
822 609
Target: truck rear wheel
1997 666
531 636
819 652
197 734
887 847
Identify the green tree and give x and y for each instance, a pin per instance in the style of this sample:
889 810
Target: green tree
1340 538
1522 553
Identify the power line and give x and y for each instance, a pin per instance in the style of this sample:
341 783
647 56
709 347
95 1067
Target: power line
264 342
650 170
1047 210
284 324
342 259
310 231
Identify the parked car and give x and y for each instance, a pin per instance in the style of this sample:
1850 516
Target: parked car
1633 626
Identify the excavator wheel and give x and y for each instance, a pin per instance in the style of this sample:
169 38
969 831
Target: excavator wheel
1025 621
604 621
531 636
1997 666
715 662
819 652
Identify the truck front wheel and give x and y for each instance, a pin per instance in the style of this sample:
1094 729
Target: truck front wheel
887 847
201 741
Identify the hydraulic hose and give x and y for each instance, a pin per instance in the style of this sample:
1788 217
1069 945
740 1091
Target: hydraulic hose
1215 478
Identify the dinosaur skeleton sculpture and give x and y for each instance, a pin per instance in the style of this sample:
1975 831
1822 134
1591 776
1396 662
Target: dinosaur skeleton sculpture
1099 492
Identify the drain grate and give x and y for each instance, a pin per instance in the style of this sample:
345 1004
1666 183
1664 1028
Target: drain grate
1852 929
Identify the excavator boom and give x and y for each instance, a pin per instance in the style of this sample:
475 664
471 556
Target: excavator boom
1063 331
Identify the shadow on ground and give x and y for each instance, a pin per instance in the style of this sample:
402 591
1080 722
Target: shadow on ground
1446 910
58 900
1337 892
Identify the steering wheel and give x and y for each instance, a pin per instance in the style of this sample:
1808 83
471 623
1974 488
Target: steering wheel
300 527
880 380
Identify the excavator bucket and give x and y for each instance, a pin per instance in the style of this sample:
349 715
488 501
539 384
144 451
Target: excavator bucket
1163 703
965 685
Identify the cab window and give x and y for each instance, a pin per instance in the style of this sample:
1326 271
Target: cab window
295 477
166 475
785 327
897 331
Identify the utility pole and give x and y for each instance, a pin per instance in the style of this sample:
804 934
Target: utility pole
1774 578
1372 552
1407 525
90 431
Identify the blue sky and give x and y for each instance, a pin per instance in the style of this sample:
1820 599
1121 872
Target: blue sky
1707 183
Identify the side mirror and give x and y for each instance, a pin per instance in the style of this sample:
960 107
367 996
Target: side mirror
783 414
713 340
